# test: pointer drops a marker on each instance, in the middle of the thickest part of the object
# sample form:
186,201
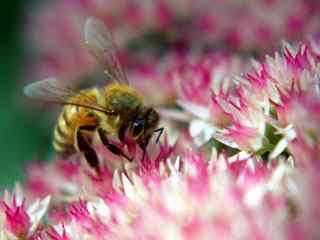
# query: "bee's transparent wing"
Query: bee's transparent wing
54,91
100,41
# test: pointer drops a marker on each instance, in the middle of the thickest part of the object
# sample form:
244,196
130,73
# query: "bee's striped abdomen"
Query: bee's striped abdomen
63,138
68,122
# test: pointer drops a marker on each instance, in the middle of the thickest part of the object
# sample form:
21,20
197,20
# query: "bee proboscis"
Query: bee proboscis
116,109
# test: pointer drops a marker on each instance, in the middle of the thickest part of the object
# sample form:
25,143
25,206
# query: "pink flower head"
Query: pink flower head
43,180
243,136
17,221
197,175
55,235
205,74
88,221
55,28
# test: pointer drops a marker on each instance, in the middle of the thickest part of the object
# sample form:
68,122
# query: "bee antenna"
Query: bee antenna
160,130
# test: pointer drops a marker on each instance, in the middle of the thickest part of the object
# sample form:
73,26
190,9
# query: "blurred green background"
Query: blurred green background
21,134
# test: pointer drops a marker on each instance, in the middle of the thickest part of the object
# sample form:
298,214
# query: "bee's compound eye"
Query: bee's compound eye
138,127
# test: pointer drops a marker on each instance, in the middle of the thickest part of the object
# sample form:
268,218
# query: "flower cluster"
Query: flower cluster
258,185
240,155
189,198
55,29
183,75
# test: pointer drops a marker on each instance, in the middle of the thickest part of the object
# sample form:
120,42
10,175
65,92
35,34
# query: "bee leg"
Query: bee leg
122,132
160,130
111,147
143,145
85,148
144,152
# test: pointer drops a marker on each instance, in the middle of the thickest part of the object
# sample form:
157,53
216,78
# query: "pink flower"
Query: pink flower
241,114
17,221
55,235
55,28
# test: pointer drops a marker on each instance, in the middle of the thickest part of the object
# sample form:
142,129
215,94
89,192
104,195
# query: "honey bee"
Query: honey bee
114,110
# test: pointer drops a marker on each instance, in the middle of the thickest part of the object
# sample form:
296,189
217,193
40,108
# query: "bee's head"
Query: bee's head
144,124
